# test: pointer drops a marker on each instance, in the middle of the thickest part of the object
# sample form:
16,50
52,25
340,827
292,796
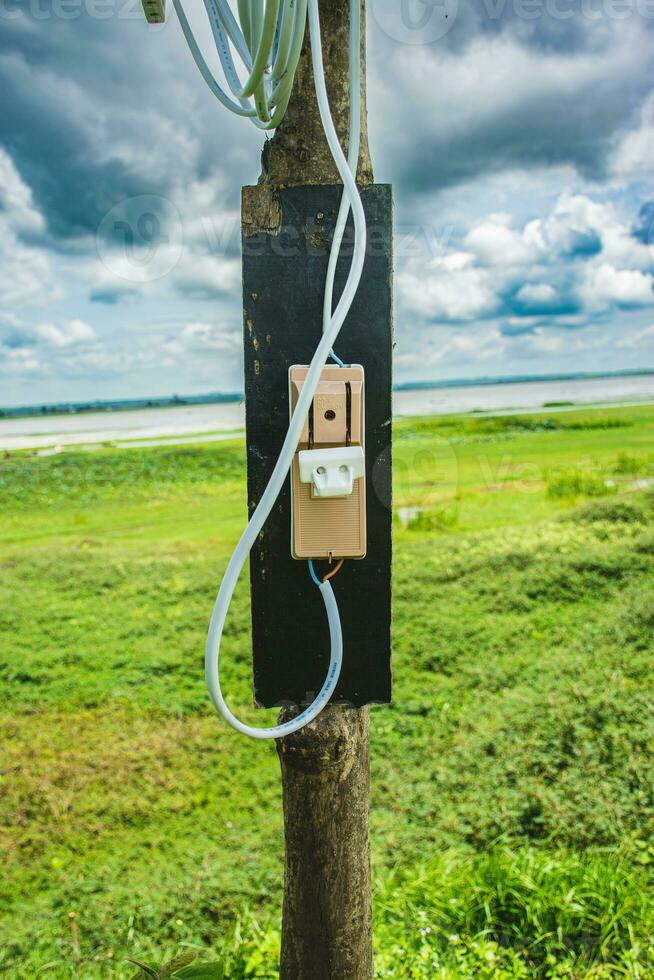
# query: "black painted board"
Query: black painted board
283,285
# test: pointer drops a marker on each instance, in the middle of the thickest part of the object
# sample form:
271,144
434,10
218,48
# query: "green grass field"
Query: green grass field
513,777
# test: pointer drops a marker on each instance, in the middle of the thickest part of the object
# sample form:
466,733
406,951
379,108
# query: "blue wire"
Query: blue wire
337,359
313,574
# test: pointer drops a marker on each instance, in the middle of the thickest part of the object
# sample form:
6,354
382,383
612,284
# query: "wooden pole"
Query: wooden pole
298,153
327,923
327,918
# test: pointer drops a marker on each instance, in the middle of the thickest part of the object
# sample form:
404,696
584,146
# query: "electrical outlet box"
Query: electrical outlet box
328,482
154,10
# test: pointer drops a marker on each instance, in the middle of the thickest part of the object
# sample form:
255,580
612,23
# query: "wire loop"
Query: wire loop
268,42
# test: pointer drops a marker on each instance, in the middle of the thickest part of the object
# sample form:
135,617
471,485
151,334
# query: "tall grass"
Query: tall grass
544,914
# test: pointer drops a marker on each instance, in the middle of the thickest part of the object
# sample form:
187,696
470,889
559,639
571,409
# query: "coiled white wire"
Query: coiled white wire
268,43
270,81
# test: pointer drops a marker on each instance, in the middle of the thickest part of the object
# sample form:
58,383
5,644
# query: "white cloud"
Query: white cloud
577,219
45,350
604,286
581,259
576,223
207,275
210,221
635,152
16,202
19,360
494,242
449,288
537,294
69,350
199,338
196,254
26,274
73,333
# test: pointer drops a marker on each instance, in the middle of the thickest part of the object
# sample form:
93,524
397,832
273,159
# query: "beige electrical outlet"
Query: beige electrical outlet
330,527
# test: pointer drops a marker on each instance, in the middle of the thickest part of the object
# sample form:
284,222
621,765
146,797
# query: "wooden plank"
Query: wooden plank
284,272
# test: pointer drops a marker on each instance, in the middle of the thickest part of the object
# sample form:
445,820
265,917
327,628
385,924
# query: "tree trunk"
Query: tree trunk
327,921
298,153
327,928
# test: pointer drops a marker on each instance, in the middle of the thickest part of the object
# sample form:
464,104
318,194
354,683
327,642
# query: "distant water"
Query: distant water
523,394
179,422
210,422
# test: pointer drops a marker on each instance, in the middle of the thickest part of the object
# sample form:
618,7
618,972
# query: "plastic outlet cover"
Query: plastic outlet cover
329,520
332,472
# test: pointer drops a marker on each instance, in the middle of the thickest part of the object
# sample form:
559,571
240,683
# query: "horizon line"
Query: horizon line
170,401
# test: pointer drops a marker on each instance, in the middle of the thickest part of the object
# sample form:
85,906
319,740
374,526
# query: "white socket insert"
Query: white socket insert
332,471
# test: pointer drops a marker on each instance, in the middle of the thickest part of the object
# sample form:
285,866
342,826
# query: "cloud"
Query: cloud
91,123
18,361
207,276
644,230
26,275
71,334
449,289
170,268
112,291
67,350
508,100
576,262
604,286
634,153
16,201
576,227
480,132
202,338
538,296
150,244
17,334
494,243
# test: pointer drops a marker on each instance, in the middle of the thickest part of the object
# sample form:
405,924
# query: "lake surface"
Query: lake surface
523,394
178,423
204,423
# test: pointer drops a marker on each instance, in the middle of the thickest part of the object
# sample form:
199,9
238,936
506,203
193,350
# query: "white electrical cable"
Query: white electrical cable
354,147
326,691
281,43
269,45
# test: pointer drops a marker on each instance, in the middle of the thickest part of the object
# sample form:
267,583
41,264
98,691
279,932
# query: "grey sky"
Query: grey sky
519,137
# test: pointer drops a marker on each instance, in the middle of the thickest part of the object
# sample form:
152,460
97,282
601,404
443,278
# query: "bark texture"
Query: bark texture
327,927
298,152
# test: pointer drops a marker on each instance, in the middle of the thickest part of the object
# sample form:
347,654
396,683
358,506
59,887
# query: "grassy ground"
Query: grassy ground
513,778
